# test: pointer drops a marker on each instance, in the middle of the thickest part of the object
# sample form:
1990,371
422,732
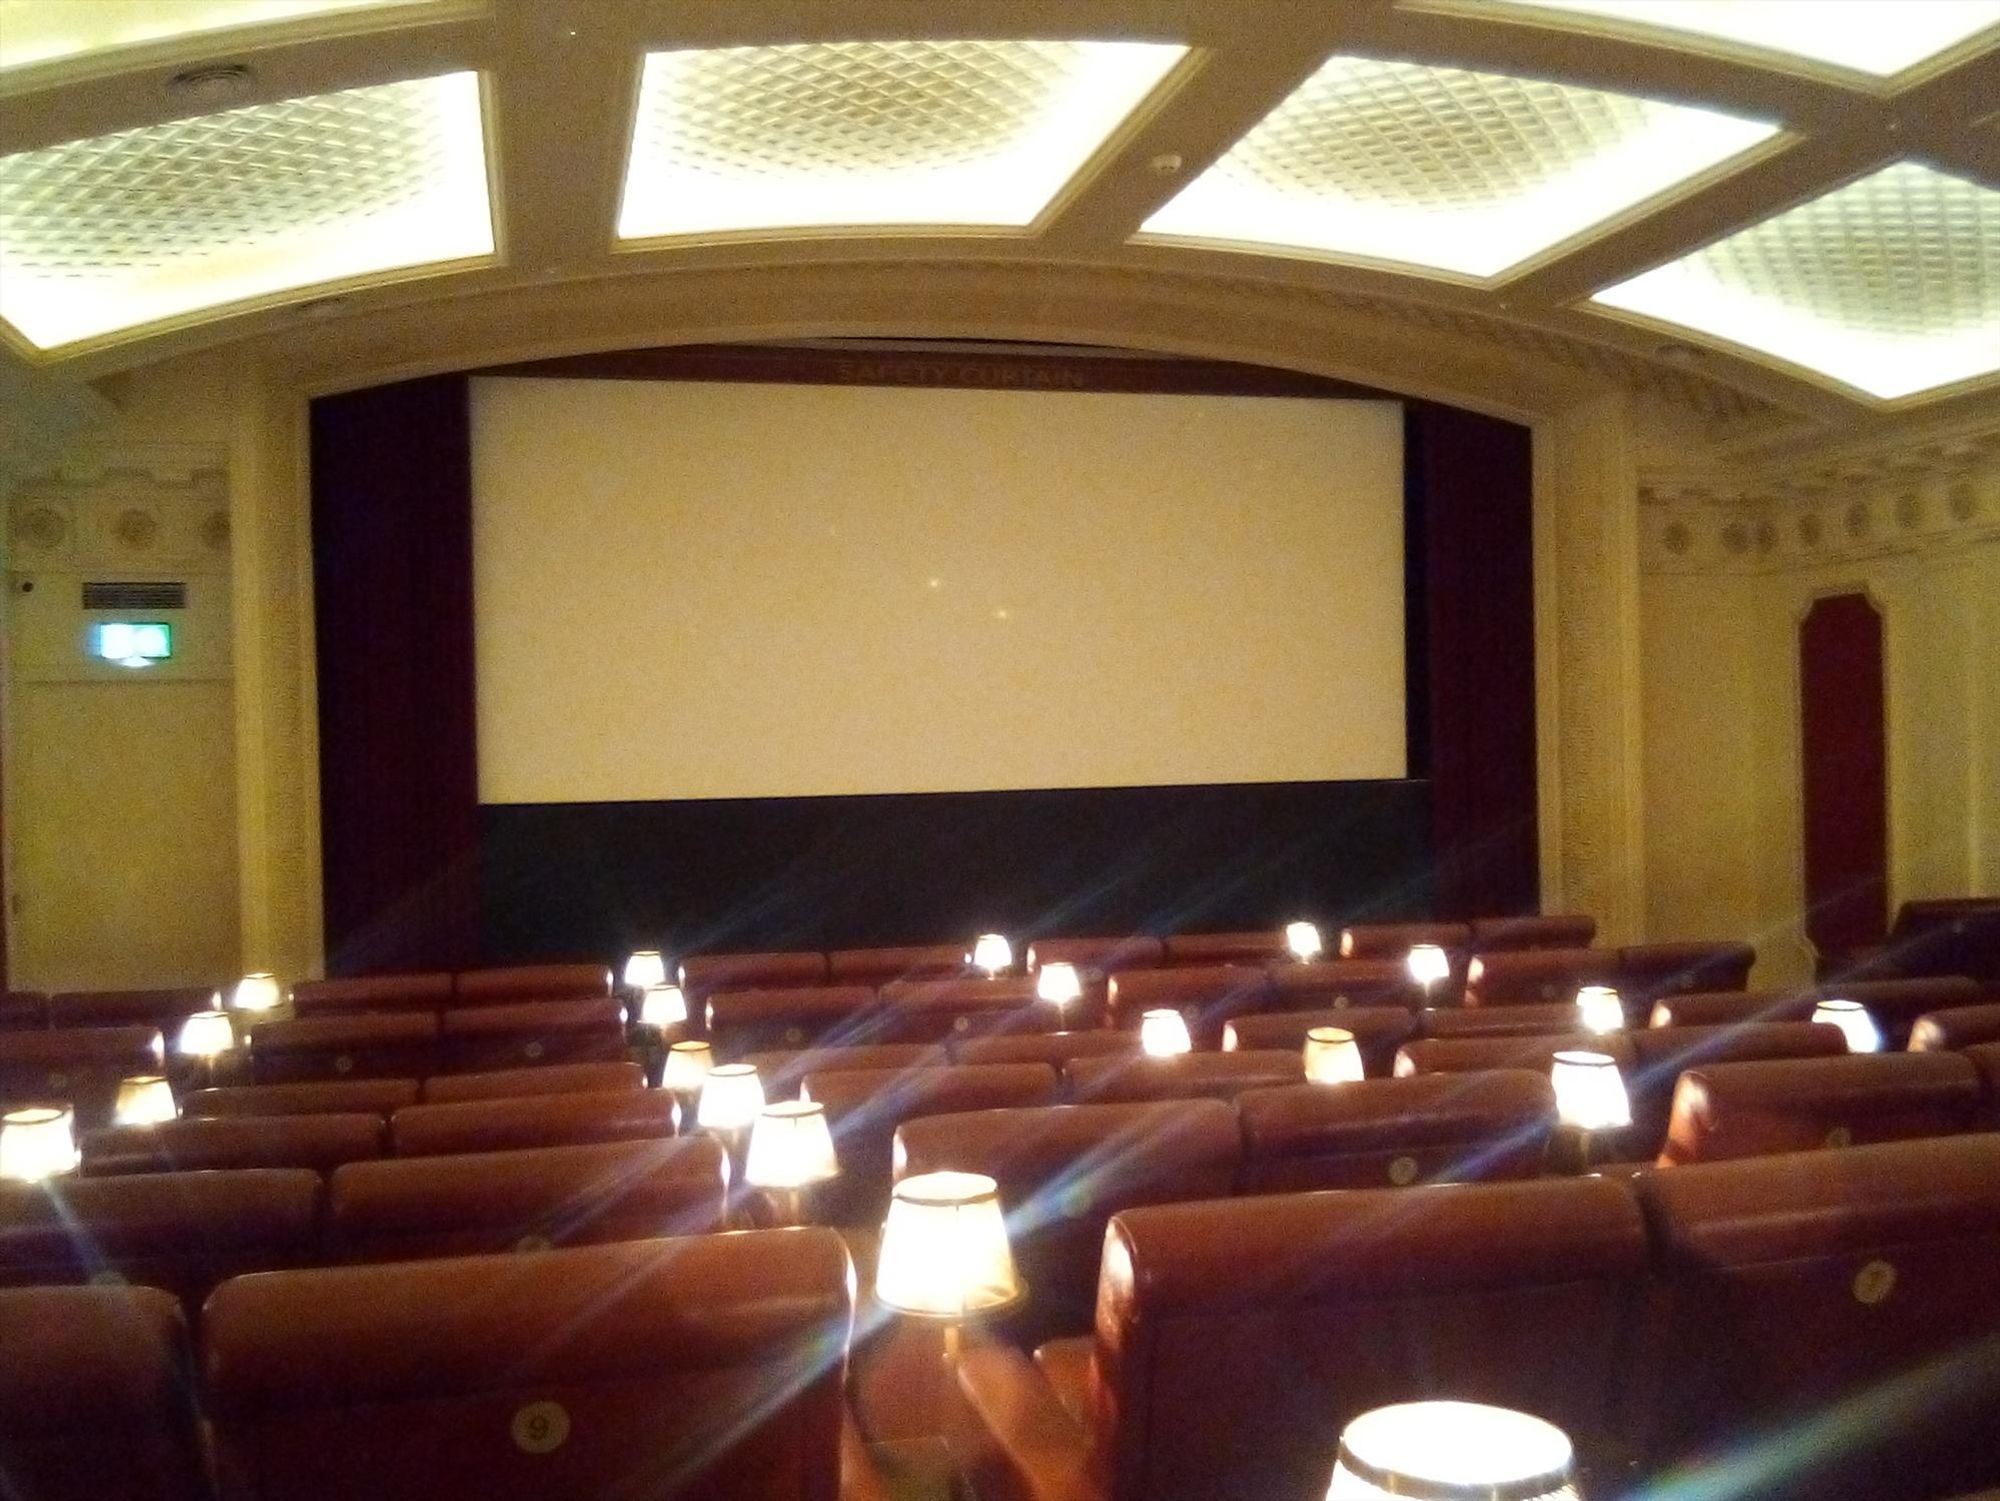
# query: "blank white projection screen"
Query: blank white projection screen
693,590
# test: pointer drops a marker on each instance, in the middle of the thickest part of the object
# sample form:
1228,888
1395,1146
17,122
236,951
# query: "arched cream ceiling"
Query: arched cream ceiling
1505,204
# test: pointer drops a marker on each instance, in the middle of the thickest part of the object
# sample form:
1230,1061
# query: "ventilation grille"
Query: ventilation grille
143,595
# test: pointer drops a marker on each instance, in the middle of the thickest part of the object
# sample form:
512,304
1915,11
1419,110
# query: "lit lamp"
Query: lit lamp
1332,1056
1855,1024
644,970
1592,1110
204,1038
1599,1009
944,1251
1428,964
682,1074
144,1100
661,1007
1453,1449
38,1142
1302,938
732,1097
993,954
1164,1033
791,1149
1058,984
257,992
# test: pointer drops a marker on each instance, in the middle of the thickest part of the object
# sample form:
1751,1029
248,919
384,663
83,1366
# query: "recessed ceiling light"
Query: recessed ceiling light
1890,285
37,31
873,133
1469,173
154,224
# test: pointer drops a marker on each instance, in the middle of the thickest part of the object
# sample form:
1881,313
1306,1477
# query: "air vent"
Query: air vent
149,594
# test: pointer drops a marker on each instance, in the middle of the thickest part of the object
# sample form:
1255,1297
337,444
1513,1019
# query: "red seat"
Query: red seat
940,1010
1563,931
1338,983
1053,1048
96,1397
389,1045
1985,1057
1532,977
318,1142
1185,1076
334,1097
756,1021
1499,1021
708,1369
1209,997
527,1033
1728,1110
1258,948
1954,1028
1394,940
1896,1005
872,967
489,1202
23,1010
782,1072
1661,1055
1648,971
1063,1171
164,1009
1827,1327
1378,1032
550,1078
553,1120
1379,1132
1464,1055
701,975
1101,954
183,1232
82,1065
413,992
530,982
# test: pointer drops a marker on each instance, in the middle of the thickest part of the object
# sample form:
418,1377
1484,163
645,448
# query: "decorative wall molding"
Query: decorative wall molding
136,508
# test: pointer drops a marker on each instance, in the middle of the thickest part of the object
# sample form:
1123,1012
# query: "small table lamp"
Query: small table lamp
644,969
1164,1033
1855,1024
1303,939
1452,1450
993,954
144,1100
1058,984
945,1253
732,1097
683,1072
257,993
791,1149
1332,1056
204,1038
1428,964
1599,1009
38,1142
1592,1110
661,1008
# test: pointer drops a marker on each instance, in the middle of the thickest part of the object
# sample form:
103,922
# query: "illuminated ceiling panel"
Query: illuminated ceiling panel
873,133
1890,284
1461,172
35,31
130,229
1880,38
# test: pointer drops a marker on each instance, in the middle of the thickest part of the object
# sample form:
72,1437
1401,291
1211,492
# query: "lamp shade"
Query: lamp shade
732,1096
992,953
1164,1033
944,1247
1303,939
205,1035
790,1146
1855,1024
1452,1450
38,1142
645,969
687,1066
257,992
1332,1056
1058,984
145,1100
1598,1009
1590,1092
663,1005
1428,964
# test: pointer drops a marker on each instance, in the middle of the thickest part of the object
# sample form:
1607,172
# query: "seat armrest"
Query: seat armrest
1021,1444
860,1479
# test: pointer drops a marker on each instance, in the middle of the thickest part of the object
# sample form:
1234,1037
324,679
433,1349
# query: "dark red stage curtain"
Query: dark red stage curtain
1469,490
392,572
1844,771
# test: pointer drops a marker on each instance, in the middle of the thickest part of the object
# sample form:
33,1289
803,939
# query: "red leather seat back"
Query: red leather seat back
865,1106
1729,1110
701,975
552,1120
1499,1021
491,1202
23,1010
758,1021
1727,1008
1339,983
1257,948
1574,930
1394,940
528,1033
82,1066
1648,971
1536,977
1209,997
1101,954
319,1142
1063,1171
517,1083
1377,1133
165,1009
412,992
530,982
1465,1055
1828,1325
1186,1076
389,1045
781,1073
336,1097
1661,1055
1378,1032
1948,936
183,1232
940,1010
1985,1057
96,1388
1954,1028
1897,1004
1235,1339
707,1368
872,967
1053,1048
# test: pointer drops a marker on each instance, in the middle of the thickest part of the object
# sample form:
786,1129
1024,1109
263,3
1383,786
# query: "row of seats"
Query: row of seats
709,1369
1822,1326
